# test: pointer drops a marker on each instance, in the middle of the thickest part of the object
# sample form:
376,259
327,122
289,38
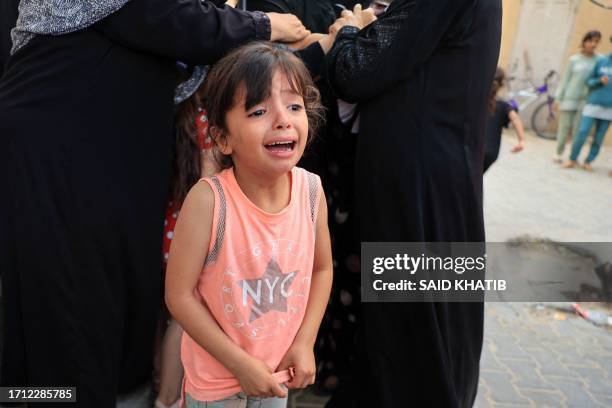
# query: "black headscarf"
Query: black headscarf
56,17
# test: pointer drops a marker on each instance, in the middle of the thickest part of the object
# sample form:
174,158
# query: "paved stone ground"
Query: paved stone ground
535,357
544,358
525,193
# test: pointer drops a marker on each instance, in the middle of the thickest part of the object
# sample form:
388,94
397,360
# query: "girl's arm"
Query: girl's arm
300,355
365,63
517,123
187,254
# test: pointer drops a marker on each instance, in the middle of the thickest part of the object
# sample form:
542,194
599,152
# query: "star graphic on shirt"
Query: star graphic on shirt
269,292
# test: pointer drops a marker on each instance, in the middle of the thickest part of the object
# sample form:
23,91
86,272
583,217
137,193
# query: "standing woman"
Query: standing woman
573,91
86,107
422,74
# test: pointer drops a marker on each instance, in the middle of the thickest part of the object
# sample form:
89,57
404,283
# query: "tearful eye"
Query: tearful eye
257,113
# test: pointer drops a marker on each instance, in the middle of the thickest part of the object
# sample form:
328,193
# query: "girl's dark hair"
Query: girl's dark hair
186,155
498,83
250,69
590,36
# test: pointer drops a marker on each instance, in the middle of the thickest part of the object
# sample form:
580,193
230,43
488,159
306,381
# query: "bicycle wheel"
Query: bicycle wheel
544,121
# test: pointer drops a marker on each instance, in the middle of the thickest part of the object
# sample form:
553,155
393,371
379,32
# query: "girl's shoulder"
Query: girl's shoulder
202,192
312,179
199,202
312,191
503,103
302,171
581,57
601,61
214,185
217,176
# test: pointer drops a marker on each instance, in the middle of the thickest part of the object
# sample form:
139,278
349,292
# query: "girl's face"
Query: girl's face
268,139
589,46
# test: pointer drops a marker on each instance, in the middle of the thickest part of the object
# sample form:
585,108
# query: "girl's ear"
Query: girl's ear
217,135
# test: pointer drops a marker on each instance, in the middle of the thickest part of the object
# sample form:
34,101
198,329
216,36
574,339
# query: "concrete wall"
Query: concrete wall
590,17
540,35
543,32
510,23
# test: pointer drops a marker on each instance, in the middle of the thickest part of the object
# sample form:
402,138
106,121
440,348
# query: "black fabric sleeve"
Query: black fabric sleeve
192,31
314,59
275,6
8,17
365,63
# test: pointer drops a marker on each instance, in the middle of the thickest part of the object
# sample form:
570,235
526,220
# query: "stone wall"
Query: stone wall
540,35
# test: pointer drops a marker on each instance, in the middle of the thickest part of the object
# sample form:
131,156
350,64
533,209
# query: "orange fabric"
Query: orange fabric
257,287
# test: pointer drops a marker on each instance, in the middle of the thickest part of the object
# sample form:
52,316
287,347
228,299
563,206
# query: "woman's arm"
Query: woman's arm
187,255
364,63
193,31
300,355
313,55
305,42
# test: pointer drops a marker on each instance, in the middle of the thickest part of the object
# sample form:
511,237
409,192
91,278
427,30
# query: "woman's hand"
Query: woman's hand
256,380
327,42
605,80
286,28
305,42
301,361
357,18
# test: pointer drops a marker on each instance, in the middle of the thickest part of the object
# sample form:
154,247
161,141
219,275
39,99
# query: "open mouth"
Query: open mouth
286,146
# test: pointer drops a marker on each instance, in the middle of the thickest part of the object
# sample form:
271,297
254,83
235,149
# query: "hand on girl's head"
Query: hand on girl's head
286,28
357,18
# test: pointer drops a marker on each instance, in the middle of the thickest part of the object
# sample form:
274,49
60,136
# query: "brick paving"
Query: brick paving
541,358
525,193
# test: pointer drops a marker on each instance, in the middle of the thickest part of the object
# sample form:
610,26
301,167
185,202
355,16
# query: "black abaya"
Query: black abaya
422,75
86,121
8,17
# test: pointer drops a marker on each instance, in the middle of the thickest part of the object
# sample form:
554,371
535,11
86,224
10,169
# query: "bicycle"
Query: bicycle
544,119
605,4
